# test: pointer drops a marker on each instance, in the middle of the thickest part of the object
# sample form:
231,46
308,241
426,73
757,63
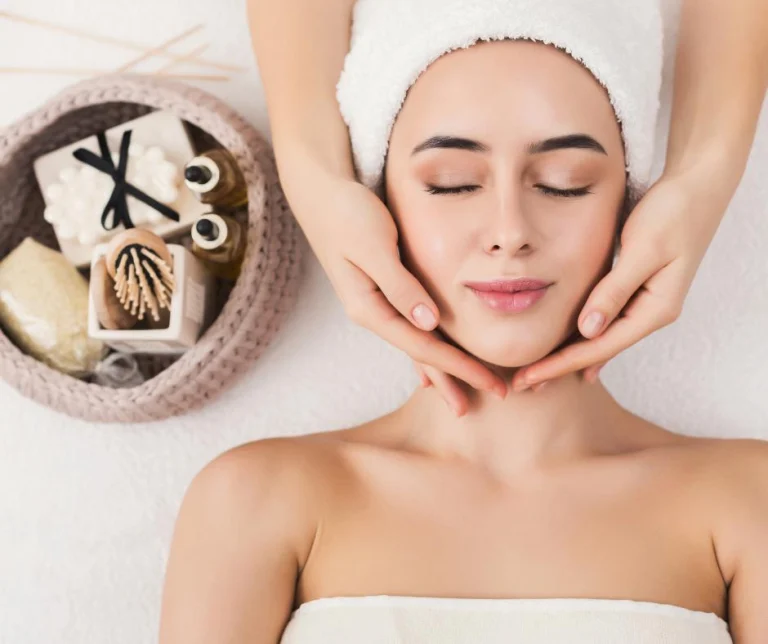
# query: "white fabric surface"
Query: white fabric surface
87,510
393,42
387,619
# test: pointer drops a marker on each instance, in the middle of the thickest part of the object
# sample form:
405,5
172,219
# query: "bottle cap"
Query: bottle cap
197,174
210,222
206,228
205,168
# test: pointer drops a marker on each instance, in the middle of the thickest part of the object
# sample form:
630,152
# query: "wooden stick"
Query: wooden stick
120,269
121,286
145,290
132,299
162,71
120,282
97,72
108,40
159,49
157,285
163,266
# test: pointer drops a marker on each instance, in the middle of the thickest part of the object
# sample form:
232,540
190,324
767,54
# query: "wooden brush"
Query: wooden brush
141,266
109,310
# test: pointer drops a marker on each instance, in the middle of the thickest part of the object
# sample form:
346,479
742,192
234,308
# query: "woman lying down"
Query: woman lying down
510,139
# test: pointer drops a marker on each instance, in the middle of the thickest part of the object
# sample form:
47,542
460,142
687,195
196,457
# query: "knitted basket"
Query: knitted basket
258,303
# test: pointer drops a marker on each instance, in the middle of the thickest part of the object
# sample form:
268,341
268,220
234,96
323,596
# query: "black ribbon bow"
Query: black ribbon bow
117,200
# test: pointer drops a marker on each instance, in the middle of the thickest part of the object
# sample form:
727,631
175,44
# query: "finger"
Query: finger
610,296
425,381
374,312
623,332
597,372
591,373
403,291
450,391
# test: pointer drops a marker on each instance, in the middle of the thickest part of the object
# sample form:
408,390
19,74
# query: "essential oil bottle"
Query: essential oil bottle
219,241
216,180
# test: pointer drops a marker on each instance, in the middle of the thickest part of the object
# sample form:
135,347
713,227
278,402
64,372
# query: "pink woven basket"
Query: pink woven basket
255,307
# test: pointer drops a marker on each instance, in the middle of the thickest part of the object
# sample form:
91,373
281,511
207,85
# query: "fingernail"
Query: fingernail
454,408
424,317
540,385
593,323
500,391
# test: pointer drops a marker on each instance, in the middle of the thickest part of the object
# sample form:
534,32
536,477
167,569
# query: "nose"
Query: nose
508,229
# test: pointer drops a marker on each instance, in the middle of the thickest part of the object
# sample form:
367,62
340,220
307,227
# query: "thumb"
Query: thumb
613,292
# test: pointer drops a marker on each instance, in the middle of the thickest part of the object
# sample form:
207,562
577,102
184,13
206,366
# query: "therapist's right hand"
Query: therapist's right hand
354,237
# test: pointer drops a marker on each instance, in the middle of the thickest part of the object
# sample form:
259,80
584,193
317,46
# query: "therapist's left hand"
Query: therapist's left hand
662,244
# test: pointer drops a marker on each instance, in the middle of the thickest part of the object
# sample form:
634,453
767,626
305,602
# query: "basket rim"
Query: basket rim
255,284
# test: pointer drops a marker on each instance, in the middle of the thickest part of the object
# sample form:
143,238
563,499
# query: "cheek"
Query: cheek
428,240
429,247
584,251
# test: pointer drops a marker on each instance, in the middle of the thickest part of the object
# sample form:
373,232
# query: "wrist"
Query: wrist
716,148
313,141
716,167
308,178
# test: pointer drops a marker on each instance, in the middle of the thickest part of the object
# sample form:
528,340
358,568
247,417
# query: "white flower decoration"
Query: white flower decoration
76,203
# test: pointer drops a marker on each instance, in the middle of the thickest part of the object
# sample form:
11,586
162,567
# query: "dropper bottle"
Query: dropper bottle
216,180
219,241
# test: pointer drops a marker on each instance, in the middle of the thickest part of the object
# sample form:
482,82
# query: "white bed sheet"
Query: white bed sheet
88,510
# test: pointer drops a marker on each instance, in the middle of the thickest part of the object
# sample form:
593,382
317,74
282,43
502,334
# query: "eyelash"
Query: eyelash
547,190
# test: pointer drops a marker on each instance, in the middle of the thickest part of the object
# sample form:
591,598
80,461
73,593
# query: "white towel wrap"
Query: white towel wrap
394,41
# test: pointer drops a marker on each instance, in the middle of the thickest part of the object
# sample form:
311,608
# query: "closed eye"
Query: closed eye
569,192
547,190
450,190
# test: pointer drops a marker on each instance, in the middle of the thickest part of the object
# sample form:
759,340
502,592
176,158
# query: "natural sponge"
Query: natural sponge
44,308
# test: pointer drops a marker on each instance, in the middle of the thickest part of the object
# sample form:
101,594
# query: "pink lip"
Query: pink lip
510,295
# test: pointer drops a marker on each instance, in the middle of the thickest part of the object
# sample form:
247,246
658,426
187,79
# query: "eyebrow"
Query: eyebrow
580,141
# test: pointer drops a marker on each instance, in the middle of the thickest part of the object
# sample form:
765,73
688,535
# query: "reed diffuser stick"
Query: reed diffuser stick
163,71
60,71
109,40
159,49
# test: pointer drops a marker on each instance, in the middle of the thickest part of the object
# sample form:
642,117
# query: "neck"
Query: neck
567,420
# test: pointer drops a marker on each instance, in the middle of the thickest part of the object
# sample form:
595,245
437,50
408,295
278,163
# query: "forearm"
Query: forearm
721,72
300,46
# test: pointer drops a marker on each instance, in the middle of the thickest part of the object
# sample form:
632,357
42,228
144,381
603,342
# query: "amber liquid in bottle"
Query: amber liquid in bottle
216,180
219,241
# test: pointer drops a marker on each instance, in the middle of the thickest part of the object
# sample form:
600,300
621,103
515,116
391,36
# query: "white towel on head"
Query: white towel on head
394,41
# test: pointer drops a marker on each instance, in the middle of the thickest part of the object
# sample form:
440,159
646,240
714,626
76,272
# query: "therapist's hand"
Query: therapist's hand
354,237
662,245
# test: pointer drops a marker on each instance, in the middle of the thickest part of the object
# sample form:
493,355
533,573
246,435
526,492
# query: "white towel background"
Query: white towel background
87,510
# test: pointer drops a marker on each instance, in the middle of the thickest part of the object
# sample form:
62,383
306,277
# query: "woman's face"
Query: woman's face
473,158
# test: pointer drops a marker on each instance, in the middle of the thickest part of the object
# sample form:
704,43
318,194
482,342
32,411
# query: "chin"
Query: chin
502,351
509,359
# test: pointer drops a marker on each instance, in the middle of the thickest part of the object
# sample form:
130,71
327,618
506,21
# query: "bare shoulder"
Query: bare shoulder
738,453
285,482
724,464
244,530
739,469
726,461
296,467
730,479
284,466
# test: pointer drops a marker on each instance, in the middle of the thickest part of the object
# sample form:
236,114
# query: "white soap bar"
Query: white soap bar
75,193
